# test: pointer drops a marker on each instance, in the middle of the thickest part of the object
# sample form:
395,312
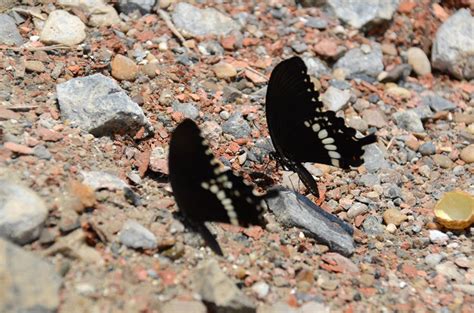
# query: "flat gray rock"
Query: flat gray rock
293,209
98,105
409,120
202,22
453,46
102,180
316,67
438,103
28,283
237,126
335,99
364,62
22,213
218,291
361,13
134,235
189,110
9,34
374,158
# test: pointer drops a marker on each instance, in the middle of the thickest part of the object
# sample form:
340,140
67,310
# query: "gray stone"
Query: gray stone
63,28
357,209
202,22
128,6
28,283
409,120
341,84
102,180
369,180
316,22
9,34
433,259
335,99
428,148
218,291
437,103
453,47
41,152
98,105
211,47
293,209
399,72
237,126
374,158
362,13
230,94
438,237
423,111
299,47
22,213
373,225
189,110
359,64
392,191
316,67
134,235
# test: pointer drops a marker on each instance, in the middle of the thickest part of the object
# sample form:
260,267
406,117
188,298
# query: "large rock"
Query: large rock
27,282
9,34
453,47
293,209
361,13
364,63
219,292
202,22
22,213
63,28
98,105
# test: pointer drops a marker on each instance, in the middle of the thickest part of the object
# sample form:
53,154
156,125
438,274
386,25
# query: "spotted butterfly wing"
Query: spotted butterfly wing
204,190
299,128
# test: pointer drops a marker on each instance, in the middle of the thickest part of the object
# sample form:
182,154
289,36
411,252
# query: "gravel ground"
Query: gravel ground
88,101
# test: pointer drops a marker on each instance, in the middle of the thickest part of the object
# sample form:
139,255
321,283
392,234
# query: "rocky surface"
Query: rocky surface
84,143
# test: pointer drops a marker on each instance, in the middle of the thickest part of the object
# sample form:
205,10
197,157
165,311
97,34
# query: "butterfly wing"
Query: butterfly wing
299,128
203,190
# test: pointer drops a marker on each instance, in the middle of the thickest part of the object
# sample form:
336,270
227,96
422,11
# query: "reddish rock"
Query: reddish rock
18,148
48,134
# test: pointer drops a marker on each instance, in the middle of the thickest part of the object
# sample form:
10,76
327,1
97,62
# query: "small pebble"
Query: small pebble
438,237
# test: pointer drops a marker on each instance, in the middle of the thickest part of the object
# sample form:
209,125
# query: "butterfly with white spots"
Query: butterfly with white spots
207,192
301,131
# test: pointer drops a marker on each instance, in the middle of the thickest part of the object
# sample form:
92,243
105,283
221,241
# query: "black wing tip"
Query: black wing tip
367,140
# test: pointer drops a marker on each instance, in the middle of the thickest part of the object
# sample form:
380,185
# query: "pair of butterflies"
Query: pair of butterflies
300,131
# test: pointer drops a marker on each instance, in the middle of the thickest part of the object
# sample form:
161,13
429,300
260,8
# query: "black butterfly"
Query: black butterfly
299,128
204,190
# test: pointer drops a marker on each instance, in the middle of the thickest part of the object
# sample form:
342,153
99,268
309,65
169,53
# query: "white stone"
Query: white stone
63,28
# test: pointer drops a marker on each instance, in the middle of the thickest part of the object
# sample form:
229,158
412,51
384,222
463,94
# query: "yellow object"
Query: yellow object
455,210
